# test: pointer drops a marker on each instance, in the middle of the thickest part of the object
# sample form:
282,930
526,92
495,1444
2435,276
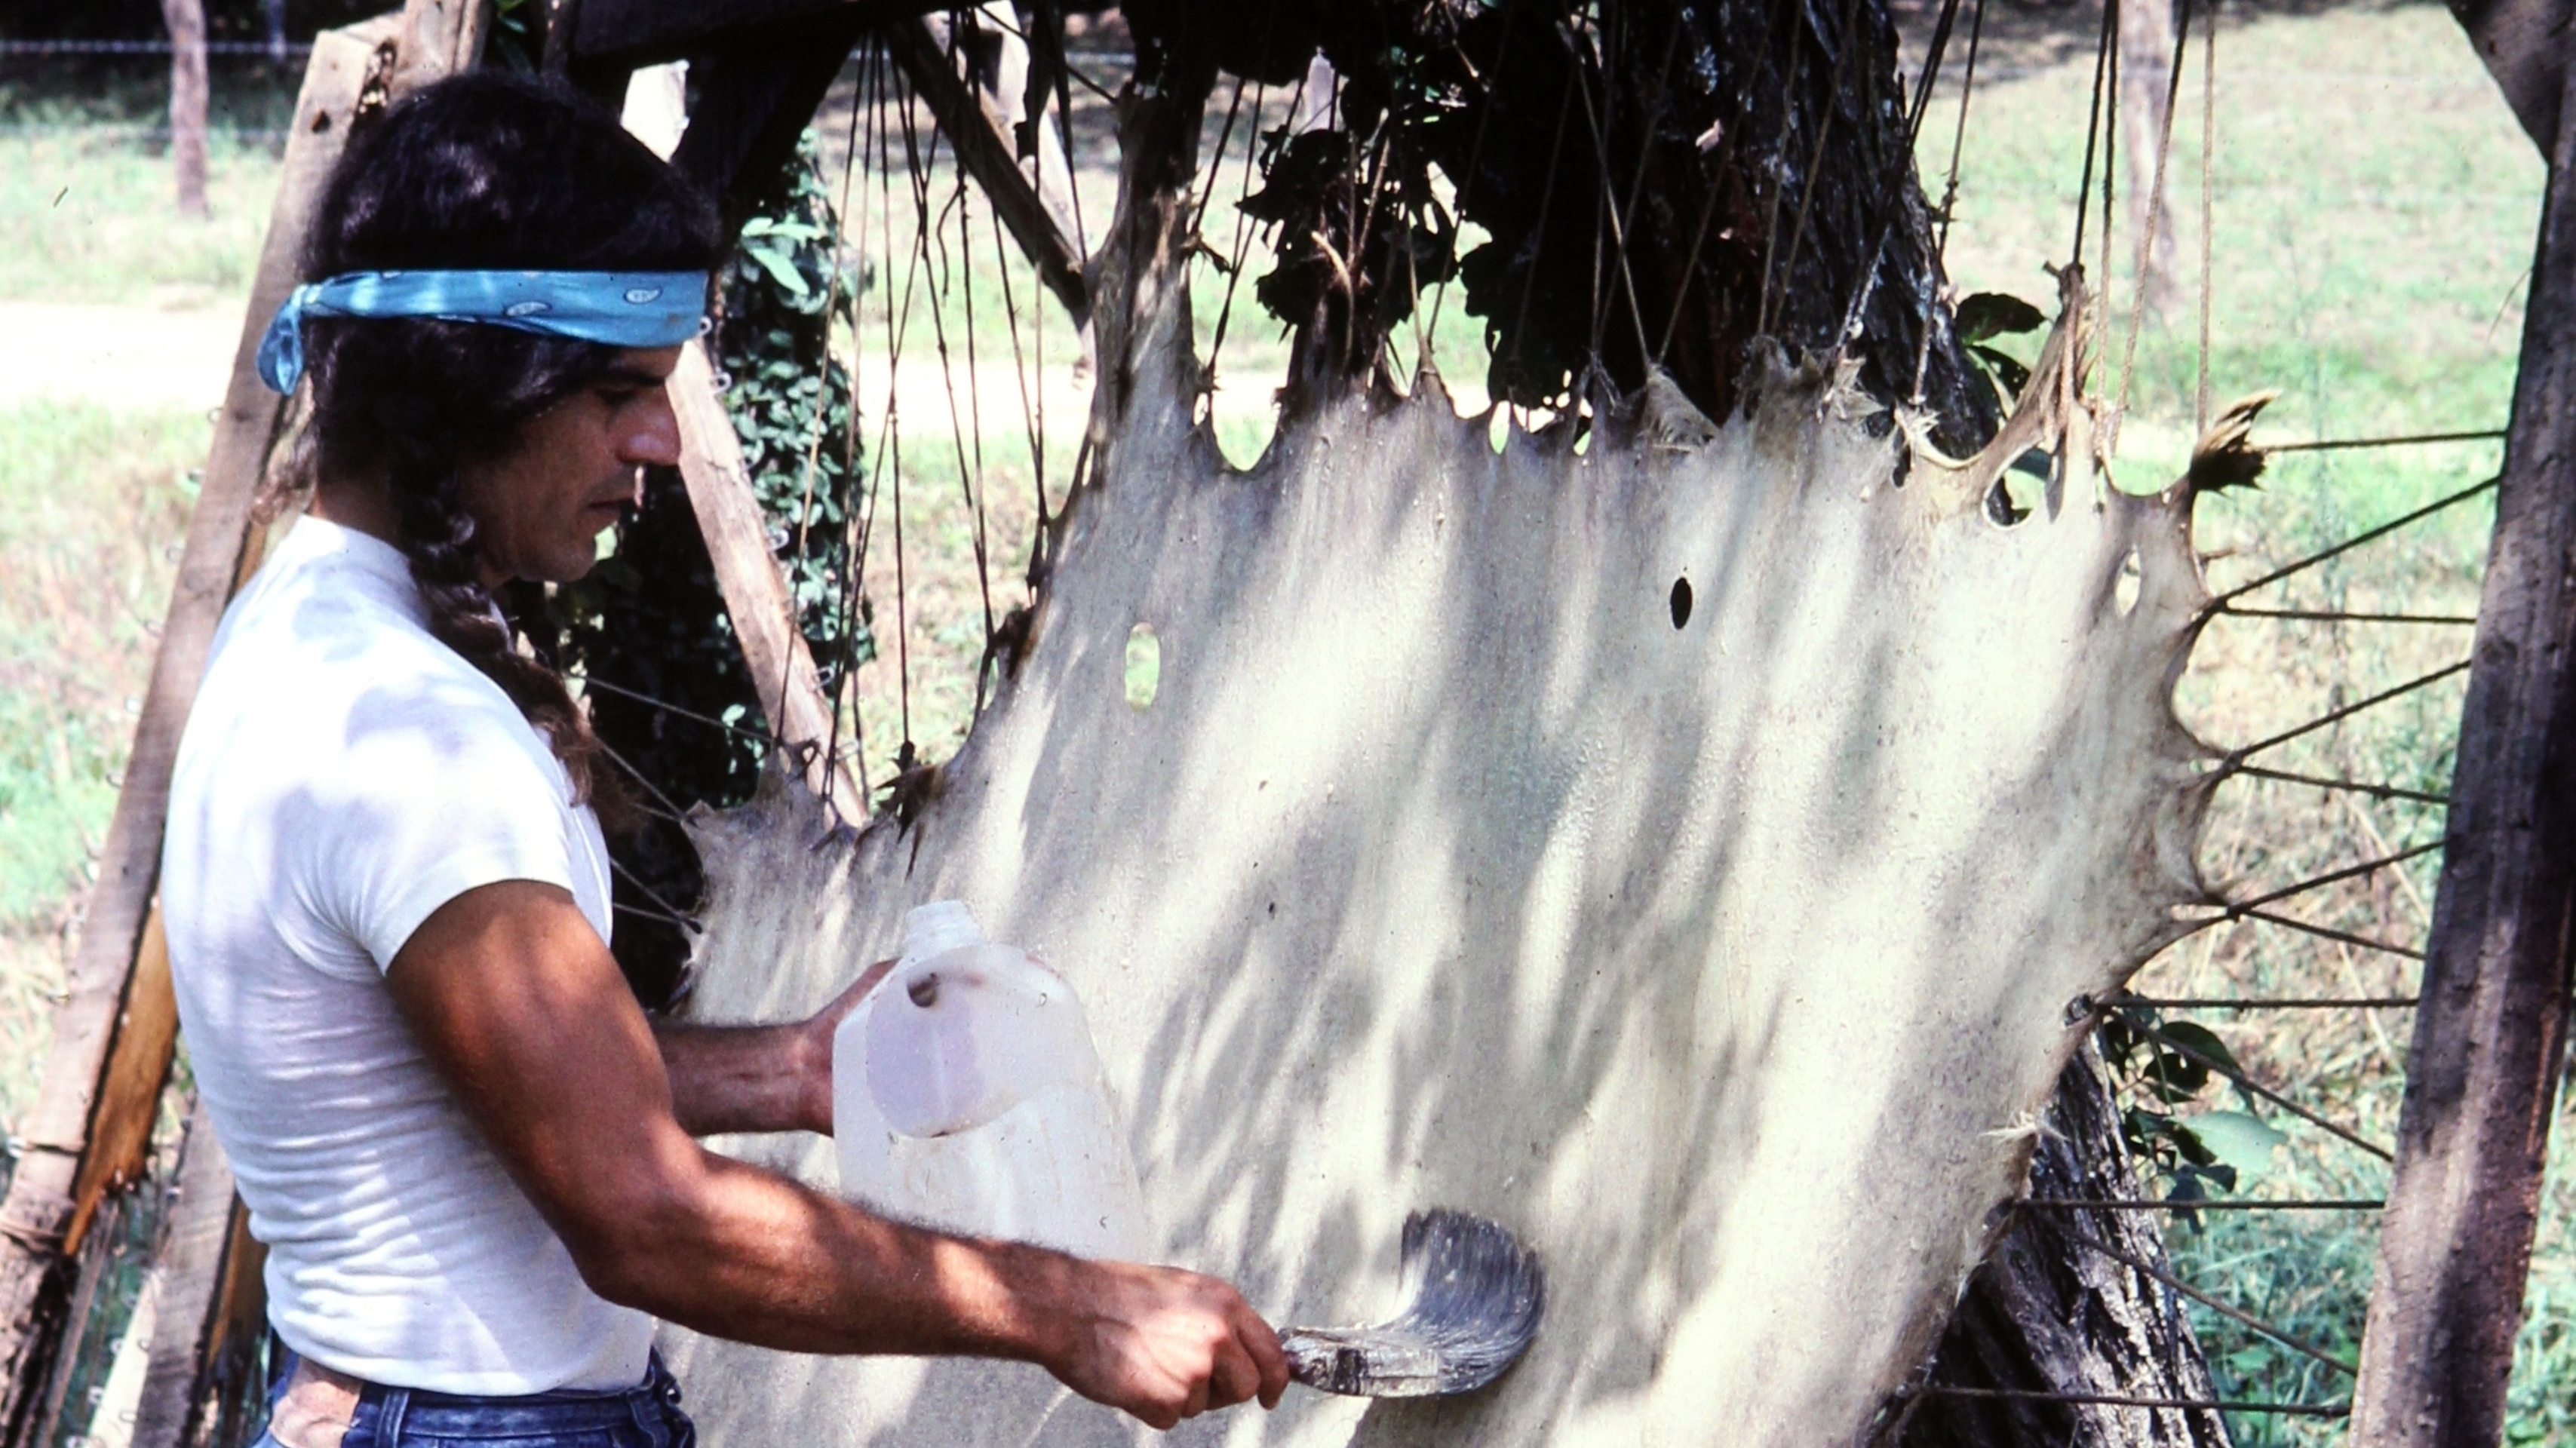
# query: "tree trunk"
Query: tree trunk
2491,1037
187,22
2051,1313
2147,42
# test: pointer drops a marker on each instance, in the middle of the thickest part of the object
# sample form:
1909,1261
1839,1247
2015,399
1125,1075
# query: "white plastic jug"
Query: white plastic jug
966,1095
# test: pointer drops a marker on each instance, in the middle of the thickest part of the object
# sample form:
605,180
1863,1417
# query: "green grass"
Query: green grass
92,507
87,198
2374,208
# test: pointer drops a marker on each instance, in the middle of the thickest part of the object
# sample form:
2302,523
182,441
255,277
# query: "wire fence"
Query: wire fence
269,50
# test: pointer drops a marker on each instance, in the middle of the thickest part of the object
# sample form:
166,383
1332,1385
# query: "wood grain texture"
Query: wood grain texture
755,594
2048,1312
753,100
635,33
2524,45
138,1066
2455,1247
202,1259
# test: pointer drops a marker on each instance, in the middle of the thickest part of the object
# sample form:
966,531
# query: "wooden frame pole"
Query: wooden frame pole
38,1212
755,593
2455,1246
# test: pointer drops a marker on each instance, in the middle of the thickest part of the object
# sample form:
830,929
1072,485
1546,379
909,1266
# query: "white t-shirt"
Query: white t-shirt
342,776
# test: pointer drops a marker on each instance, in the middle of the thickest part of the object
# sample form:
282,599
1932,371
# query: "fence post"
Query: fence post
187,22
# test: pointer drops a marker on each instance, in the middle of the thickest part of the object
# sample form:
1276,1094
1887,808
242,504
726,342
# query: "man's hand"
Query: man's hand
818,1030
518,1004
1164,1344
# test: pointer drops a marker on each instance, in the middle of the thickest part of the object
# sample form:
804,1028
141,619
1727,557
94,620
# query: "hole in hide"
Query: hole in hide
2001,508
924,991
2124,592
1681,601
1144,667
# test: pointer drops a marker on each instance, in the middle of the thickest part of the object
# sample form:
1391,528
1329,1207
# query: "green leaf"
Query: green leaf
2174,1077
2198,1038
2007,370
780,266
2238,1138
2217,1172
1987,315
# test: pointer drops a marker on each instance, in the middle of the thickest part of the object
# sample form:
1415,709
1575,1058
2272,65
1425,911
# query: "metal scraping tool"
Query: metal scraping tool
1471,1298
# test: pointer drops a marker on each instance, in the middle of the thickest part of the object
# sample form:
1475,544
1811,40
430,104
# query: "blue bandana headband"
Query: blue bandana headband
617,309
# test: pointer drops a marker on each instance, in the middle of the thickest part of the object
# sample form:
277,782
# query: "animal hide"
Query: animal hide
1725,951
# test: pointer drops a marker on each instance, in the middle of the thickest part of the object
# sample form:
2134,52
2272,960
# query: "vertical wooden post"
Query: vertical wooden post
186,20
2455,1247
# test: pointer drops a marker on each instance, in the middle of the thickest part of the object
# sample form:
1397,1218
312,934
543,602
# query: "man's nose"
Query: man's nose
651,437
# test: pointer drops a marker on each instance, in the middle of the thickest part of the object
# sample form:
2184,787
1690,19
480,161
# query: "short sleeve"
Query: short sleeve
442,788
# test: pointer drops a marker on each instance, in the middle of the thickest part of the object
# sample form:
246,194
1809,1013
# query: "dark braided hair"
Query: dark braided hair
486,172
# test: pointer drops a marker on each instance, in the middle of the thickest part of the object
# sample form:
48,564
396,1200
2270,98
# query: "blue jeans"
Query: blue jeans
645,1416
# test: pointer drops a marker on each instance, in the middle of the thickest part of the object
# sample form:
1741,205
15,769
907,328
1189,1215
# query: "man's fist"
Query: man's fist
1164,1344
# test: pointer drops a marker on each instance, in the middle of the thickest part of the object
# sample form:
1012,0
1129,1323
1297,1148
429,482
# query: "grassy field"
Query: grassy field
92,505
85,188
2374,208
2374,211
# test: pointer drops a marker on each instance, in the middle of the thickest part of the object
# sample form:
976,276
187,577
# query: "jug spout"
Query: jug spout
937,928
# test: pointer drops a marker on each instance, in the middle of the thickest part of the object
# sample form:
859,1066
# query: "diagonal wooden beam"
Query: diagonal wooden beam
755,593
638,33
210,1303
982,138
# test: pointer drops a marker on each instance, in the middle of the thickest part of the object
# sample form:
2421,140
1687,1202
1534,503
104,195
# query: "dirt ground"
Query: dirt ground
116,356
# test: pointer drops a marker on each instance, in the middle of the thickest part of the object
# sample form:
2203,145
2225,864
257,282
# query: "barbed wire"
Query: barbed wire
262,48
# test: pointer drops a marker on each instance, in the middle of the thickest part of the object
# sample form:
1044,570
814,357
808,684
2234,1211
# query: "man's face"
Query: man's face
539,509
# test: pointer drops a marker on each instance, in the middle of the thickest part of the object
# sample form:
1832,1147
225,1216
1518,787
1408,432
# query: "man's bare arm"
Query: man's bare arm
746,1078
757,1078
518,1003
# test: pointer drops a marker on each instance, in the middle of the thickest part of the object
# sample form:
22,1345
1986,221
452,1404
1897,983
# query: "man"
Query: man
469,1153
